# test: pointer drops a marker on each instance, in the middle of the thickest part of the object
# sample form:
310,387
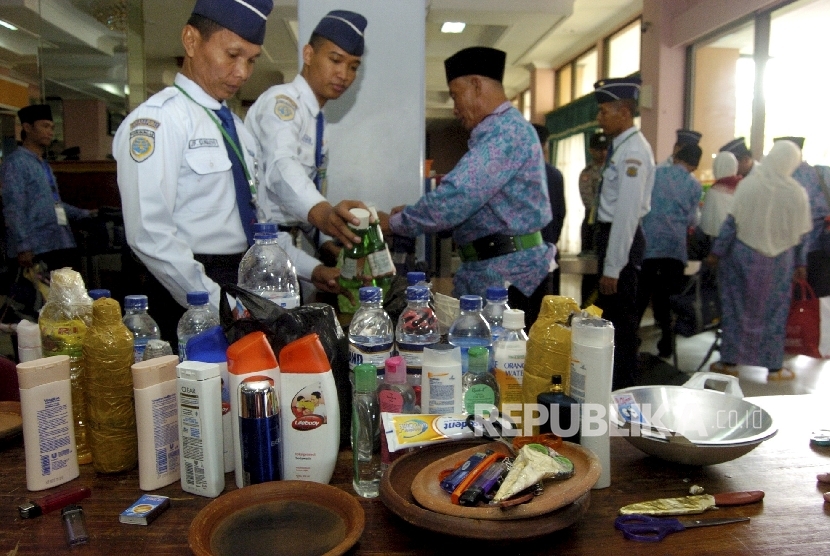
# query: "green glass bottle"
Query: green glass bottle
377,252
353,263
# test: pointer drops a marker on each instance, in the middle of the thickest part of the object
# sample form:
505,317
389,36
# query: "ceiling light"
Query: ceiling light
8,25
453,26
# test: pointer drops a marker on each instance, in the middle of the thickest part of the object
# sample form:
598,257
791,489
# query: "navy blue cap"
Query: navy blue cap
496,293
370,294
34,112
617,88
471,303
135,302
209,346
343,28
737,147
688,137
799,141
198,297
476,60
246,18
414,278
99,293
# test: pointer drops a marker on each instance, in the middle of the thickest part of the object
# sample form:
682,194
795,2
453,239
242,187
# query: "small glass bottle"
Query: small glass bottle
366,432
561,414
354,261
395,395
479,387
377,252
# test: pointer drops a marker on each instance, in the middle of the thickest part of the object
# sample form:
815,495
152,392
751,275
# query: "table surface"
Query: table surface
792,519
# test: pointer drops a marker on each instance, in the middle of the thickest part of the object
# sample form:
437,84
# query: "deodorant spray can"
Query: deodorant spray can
259,430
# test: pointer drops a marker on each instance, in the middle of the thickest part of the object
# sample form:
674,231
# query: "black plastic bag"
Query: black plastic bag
283,326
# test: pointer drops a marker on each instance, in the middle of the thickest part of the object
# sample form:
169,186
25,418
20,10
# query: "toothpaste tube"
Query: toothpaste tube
411,430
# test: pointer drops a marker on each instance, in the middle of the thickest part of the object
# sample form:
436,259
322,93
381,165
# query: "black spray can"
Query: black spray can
259,430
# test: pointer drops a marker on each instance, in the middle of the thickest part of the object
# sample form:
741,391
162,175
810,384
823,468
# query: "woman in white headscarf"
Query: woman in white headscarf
717,204
755,253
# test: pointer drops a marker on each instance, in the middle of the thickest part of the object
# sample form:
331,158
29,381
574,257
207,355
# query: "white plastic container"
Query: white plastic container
29,347
309,412
441,380
510,353
156,412
592,369
48,430
200,428
247,357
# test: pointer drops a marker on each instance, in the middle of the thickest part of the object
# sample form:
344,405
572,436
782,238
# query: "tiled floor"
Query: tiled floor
811,375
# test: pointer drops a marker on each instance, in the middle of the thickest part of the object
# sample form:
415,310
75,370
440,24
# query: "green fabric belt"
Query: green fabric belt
496,245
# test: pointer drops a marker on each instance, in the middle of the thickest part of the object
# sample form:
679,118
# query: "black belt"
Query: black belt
496,245
222,269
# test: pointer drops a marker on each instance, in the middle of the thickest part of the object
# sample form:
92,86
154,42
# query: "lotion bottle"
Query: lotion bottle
200,428
249,356
154,387
309,412
441,380
48,430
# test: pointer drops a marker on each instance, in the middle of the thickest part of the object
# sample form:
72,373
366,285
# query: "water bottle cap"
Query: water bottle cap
471,303
265,228
250,354
305,355
198,298
135,302
363,215
371,294
478,359
496,294
98,294
417,293
208,346
513,319
395,370
413,278
365,378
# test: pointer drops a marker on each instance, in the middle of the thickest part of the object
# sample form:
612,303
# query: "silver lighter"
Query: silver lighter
74,524
259,430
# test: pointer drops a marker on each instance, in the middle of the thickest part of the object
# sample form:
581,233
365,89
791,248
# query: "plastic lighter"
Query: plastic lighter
52,502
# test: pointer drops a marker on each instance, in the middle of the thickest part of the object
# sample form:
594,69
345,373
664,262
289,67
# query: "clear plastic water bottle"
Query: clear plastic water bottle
494,310
470,329
510,352
371,332
417,328
366,432
267,271
156,348
198,318
141,324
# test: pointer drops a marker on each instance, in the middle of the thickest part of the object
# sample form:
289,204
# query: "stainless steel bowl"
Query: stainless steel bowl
690,424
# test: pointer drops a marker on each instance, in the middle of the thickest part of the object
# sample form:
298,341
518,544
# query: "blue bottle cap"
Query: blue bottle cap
496,294
471,303
135,302
414,278
198,298
418,293
265,230
209,346
98,294
371,294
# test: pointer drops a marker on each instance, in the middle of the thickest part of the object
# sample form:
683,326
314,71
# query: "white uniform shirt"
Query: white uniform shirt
626,195
177,190
284,122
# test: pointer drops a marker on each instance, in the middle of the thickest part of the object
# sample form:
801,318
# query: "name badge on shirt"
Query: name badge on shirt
60,212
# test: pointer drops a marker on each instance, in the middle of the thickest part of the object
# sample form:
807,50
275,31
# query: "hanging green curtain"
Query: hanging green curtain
579,116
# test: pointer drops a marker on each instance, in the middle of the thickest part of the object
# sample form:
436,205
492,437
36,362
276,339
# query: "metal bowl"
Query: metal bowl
690,424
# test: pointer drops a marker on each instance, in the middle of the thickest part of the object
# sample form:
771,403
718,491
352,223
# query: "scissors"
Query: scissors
645,528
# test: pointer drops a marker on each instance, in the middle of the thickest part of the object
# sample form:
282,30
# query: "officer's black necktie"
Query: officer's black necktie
247,214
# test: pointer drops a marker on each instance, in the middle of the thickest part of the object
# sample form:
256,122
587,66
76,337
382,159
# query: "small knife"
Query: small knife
692,504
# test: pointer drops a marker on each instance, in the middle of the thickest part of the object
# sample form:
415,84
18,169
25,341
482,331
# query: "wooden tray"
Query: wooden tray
557,494
396,494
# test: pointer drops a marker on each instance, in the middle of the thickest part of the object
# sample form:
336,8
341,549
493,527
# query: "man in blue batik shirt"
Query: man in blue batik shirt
495,200
37,221
674,209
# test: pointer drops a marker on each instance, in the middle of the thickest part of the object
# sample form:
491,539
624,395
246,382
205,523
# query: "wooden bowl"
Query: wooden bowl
396,494
280,517
11,422
557,494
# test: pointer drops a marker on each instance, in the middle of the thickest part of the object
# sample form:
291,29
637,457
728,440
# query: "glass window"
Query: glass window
794,78
564,85
721,103
570,160
624,51
526,105
586,73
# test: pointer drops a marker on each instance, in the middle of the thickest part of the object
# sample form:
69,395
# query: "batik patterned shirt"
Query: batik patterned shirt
674,203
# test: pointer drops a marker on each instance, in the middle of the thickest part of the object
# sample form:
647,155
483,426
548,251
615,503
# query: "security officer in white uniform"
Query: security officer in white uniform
288,123
624,198
190,189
